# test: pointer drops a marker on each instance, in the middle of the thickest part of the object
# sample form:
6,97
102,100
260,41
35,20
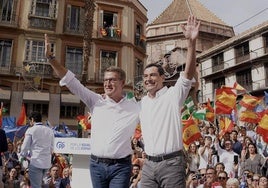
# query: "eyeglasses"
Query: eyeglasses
255,180
222,178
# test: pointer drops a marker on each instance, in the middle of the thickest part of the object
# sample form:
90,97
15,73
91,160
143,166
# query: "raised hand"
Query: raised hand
48,52
191,29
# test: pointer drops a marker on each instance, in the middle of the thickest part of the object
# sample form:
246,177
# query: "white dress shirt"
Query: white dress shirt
113,124
160,118
39,140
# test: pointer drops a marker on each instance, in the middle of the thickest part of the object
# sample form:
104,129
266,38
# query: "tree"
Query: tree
88,29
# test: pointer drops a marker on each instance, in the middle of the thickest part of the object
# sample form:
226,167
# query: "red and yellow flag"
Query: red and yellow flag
22,117
226,125
262,128
249,116
250,102
238,87
190,132
225,101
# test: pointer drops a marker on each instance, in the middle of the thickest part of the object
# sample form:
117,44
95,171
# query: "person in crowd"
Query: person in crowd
236,145
135,178
65,181
210,179
255,180
193,157
222,178
192,180
161,121
232,183
205,152
19,172
219,167
11,181
140,160
251,160
3,148
11,158
39,140
25,183
263,182
228,157
110,160
53,179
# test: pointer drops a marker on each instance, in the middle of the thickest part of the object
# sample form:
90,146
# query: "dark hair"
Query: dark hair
136,165
36,116
118,70
159,68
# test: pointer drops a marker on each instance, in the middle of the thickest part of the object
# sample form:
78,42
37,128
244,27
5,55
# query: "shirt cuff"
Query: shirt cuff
67,78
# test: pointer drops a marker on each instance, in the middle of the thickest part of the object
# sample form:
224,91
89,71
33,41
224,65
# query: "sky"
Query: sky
241,14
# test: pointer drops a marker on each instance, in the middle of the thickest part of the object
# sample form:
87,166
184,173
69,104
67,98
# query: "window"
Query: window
44,8
139,37
244,79
35,51
43,14
75,18
5,53
107,59
242,52
74,59
67,111
265,37
108,19
217,83
7,8
217,62
42,108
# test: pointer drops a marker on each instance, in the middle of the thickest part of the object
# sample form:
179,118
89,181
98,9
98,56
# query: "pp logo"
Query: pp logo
60,145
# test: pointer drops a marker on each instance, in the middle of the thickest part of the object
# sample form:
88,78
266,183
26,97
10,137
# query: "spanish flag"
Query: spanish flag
226,125
190,132
225,101
262,128
250,102
238,87
22,118
249,116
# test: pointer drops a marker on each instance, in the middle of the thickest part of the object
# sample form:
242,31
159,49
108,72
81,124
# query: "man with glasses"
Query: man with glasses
222,178
114,119
228,157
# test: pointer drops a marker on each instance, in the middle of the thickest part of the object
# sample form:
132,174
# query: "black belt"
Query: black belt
111,161
165,157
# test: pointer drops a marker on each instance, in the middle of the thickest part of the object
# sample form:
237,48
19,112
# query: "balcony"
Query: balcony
240,59
219,67
33,69
140,41
110,33
45,23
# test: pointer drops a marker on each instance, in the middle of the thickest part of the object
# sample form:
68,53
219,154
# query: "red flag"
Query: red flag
22,117
225,101
250,102
190,131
